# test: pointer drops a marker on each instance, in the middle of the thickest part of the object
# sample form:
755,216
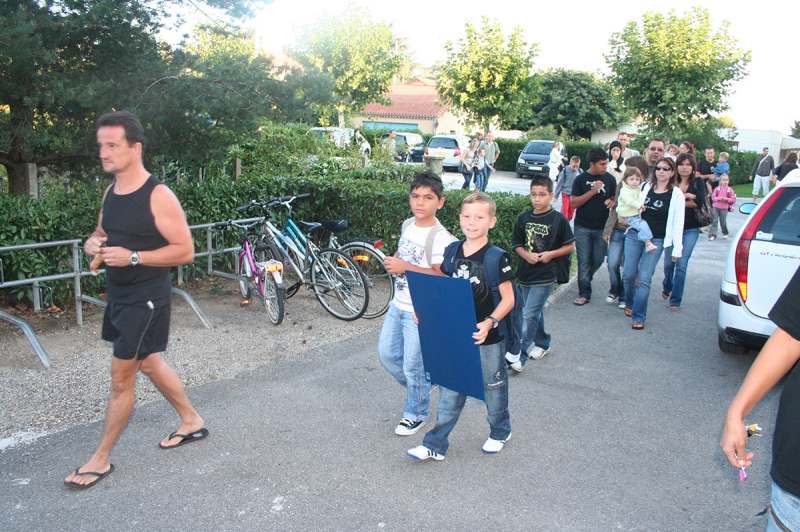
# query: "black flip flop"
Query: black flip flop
100,476
186,438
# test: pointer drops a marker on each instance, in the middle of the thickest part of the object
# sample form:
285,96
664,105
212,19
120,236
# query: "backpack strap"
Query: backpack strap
435,230
448,264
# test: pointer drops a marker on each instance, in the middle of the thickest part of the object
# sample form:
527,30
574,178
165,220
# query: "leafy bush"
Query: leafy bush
742,163
509,153
581,149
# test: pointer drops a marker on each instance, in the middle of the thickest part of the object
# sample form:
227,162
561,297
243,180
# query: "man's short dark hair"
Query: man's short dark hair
542,181
596,155
657,140
134,132
430,180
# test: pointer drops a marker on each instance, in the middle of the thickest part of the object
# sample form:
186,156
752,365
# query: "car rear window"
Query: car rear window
441,142
538,148
783,219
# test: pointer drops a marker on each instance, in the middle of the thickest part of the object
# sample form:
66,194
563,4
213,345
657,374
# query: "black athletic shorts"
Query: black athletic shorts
137,331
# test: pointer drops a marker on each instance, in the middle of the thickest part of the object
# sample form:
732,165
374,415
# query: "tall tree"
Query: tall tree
488,77
796,129
675,67
577,102
65,62
358,54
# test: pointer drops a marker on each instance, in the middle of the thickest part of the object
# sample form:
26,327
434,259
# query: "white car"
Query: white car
448,146
764,256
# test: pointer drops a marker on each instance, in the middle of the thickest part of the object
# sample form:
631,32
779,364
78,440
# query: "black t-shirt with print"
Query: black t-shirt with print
537,233
785,469
704,167
698,188
593,214
472,268
657,211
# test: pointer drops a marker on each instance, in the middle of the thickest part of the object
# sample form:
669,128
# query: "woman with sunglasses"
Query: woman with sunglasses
694,191
664,212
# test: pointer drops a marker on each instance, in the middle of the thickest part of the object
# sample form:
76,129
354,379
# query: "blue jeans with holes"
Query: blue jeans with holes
400,353
642,264
495,389
532,333
616,255
675,272
787,507
591,252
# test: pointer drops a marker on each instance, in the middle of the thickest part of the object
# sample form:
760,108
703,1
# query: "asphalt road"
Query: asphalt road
614,430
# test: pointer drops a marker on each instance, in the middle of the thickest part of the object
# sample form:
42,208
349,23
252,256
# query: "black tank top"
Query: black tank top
129,223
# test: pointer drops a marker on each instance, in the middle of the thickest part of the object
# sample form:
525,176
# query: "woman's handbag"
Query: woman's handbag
702,212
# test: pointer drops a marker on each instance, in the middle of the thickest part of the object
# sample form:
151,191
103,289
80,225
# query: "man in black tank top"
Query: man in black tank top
140,234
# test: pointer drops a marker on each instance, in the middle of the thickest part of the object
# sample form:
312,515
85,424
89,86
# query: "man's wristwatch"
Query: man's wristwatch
134,258
495,323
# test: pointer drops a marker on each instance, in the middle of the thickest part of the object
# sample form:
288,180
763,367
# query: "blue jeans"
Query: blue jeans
401,354
640,226
467,179
616,255
480,184
495,388
787,507
675,272
486,173
531,331
591,252
642,264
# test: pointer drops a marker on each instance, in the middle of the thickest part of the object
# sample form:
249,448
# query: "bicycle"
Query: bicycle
335,279
268,283
364,251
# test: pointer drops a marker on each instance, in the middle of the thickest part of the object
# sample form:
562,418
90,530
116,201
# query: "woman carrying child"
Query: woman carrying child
631,204
664,212
722,201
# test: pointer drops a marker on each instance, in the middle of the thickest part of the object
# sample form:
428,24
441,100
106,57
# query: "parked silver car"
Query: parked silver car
448,146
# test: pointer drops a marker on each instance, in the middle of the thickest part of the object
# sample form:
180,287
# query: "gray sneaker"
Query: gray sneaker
538,352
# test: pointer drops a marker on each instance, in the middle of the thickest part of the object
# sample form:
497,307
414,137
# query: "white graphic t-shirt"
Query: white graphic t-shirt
411,249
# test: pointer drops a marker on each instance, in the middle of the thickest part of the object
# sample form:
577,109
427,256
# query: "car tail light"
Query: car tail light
457,153
426,150
743,246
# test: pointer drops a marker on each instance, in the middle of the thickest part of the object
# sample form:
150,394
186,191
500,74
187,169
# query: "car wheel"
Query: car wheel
519,176
731,348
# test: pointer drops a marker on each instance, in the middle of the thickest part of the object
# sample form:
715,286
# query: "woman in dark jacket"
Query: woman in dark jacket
789,164
694,190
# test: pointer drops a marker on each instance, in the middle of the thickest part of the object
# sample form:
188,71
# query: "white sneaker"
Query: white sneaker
538,353
621,304
611,299
423,453
514,362
493,446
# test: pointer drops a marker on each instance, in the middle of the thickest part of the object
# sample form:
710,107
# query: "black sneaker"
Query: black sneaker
406,427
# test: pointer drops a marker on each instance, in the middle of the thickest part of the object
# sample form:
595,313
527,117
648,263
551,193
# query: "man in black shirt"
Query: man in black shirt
705,168
593,195
141,232
778,357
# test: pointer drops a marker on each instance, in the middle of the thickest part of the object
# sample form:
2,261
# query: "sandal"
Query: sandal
664,295
628,312
581,301
638,325
674,307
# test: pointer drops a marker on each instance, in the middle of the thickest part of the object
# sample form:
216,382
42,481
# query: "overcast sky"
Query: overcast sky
575,34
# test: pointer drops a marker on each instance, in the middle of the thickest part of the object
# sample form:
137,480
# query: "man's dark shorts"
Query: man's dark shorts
136,331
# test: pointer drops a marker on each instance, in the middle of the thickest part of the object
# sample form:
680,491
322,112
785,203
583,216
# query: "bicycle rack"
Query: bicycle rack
40,300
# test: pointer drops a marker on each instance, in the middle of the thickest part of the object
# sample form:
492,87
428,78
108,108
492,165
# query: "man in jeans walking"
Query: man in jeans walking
593,195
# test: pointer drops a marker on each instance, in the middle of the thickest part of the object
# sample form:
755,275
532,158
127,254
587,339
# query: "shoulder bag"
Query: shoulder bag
702,212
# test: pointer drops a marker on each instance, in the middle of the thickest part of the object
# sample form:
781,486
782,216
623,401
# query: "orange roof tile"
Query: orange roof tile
417,98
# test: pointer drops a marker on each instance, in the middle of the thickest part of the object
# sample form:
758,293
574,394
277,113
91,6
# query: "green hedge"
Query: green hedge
509,152
741,164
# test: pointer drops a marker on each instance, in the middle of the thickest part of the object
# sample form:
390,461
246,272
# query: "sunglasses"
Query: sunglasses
664,168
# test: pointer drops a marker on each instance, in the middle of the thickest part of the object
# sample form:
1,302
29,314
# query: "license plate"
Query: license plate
535,168
441,154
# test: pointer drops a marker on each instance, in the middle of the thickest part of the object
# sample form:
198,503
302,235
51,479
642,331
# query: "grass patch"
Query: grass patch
745,191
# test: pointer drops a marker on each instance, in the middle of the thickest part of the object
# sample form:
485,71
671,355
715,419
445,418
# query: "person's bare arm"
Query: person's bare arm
396,266
171,222
580,201
504,307
98,237
777,357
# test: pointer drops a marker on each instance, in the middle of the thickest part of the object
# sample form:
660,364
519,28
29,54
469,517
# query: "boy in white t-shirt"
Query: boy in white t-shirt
399,347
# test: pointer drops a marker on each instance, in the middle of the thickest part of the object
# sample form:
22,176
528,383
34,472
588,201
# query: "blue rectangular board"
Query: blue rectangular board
446,313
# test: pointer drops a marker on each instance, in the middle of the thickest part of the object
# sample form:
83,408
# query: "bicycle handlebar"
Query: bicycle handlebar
271,203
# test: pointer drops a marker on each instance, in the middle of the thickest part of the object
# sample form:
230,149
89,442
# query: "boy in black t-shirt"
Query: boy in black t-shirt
778,357
540,235
477,217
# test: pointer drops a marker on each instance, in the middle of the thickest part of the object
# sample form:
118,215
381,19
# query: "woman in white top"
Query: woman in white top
555,161
466,162
664,213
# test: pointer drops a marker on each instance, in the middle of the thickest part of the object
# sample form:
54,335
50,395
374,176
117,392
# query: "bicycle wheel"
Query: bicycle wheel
291,277
379,281
272,294
243,269
340,285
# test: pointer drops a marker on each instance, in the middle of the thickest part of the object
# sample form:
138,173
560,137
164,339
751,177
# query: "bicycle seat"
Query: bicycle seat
334,226
309,227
